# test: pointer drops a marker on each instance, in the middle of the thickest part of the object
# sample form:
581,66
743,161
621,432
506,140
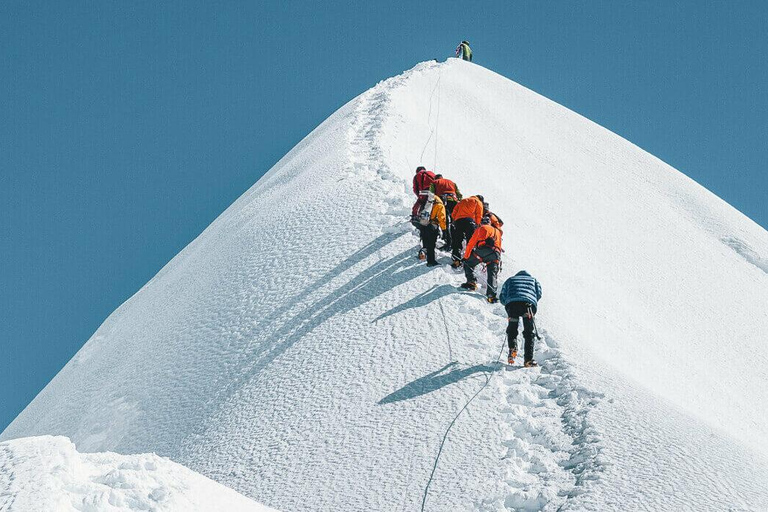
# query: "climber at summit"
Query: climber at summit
466,217
483,247
520,296
421,183
464,51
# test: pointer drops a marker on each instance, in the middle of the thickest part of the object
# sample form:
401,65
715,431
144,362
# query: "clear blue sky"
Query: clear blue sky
127,127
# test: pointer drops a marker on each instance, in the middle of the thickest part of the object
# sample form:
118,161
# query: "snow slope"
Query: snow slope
297,348
48,474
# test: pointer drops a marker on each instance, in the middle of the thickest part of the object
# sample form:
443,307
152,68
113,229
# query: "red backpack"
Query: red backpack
422,180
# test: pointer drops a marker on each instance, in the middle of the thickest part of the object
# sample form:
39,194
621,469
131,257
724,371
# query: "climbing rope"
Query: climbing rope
447,333
433,131
488,377
437,119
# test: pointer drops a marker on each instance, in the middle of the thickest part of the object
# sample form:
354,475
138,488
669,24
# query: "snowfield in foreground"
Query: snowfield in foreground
299,353
48,474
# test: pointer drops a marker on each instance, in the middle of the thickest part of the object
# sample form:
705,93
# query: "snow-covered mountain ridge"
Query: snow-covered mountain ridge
297,348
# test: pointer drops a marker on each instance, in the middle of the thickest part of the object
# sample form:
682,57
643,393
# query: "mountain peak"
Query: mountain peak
298,348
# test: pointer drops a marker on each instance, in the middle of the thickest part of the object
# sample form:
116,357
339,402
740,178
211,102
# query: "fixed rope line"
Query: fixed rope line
447,333
421,158
437,119
429,115
445,436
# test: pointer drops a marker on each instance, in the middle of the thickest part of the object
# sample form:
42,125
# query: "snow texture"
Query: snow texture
48,474
298,352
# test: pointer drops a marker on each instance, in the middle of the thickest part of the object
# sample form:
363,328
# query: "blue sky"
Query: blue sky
127,127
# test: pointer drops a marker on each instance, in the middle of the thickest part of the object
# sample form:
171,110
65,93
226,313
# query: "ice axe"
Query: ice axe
533,322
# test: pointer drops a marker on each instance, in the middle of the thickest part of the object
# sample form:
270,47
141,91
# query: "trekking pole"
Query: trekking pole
533,322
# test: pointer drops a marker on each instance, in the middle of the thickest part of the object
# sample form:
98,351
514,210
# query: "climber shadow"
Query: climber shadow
437,380
277,332
361,254
368,249
370,283
433,294
281,334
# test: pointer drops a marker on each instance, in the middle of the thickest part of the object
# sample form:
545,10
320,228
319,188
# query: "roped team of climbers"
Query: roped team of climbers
470,221
473,234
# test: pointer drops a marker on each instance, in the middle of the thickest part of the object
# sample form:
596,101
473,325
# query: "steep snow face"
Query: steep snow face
47,473
644,268
298,349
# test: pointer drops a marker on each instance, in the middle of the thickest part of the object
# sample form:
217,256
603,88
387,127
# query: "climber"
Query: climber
448,191
520,296
483,247
464,51
495,219
431,231
421,182
465,217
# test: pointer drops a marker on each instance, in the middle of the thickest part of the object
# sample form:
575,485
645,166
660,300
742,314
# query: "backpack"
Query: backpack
426,211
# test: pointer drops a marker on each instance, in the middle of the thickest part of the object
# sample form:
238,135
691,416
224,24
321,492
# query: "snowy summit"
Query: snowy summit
299,353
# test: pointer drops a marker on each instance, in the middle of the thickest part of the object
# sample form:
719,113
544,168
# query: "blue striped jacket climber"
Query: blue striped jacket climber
522,287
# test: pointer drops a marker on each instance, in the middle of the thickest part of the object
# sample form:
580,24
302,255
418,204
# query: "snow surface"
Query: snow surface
48,474
297,348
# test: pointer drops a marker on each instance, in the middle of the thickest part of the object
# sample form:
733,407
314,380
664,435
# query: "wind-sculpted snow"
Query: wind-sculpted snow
747,253
298,352
49,474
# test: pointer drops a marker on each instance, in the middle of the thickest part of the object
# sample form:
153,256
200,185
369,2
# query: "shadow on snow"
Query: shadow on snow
433,294
437,380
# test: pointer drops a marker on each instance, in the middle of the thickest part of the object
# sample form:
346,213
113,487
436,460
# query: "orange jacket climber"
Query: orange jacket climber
478,239
471,207
495,221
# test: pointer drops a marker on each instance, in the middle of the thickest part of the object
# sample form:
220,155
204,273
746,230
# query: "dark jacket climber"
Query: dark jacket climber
520,296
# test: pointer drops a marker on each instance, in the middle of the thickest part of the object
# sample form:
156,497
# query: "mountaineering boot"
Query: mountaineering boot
456,263
512,356
422,254
469,285
530,364
432,263
492,299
